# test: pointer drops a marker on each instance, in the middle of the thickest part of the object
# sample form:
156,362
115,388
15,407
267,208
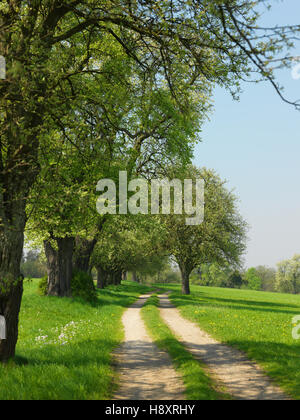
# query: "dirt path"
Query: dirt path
146,373
242,378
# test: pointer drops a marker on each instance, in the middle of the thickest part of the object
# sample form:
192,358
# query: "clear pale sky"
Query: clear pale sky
255,145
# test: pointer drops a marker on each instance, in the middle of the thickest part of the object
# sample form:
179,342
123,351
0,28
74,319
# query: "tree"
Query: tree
288,275
33,266
252,279
219,239
48,43
132,244
268,277
235,280
100,144
216,275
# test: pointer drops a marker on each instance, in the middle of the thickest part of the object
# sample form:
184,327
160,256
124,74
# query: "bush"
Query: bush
83,286
252,279
43,286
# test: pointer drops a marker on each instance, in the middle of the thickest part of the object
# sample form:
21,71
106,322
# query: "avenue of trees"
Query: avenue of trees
93,88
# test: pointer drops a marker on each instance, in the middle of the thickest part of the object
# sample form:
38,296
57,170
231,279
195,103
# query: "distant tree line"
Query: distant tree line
33,265
255,278
286,279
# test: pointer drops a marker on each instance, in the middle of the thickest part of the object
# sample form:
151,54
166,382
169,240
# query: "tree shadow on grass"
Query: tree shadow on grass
240,304
280,361
77,354
114,295
81,370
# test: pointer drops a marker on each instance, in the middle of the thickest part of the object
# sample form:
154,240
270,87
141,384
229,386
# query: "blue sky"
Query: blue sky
255,145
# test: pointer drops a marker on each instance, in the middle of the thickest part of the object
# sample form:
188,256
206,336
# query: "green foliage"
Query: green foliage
172,276
43,286
216,275
83,287
219,239
268,278
288,276
32,265
252,279
235,280
131,243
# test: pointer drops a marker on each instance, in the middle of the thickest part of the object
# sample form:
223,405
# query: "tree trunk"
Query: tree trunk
102,276
18,171
82,253
185,277
59,266
135,277
11,284
124,275
117,277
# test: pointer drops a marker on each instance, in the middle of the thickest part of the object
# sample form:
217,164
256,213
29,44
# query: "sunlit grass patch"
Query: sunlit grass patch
258,323
65,345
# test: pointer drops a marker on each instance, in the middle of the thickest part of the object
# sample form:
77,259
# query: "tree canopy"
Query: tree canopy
221,236
288,275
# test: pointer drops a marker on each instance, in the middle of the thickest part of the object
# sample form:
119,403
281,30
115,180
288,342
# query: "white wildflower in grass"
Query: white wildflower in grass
63,335
41,338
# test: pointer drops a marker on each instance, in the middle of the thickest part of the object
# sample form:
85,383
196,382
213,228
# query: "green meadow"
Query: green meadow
65,346
258,323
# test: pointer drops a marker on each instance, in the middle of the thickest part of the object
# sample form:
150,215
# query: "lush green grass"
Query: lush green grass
67,346
257,323
198,384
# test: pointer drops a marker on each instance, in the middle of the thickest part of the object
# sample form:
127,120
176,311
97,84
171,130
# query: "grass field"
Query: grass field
258,323
65,346
198,383
64,349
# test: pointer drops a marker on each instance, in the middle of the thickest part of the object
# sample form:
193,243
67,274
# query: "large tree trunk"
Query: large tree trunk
11,286
82,253
15,180
20,131
185,277
11,281
59,266
10,308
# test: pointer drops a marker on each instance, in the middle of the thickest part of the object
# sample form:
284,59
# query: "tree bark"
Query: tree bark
82,253
117,277
135,277
59,266
102,276
20,131
185,277
11,282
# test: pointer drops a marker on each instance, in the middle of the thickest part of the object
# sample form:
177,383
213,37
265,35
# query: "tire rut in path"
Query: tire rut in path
243,379
146,372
